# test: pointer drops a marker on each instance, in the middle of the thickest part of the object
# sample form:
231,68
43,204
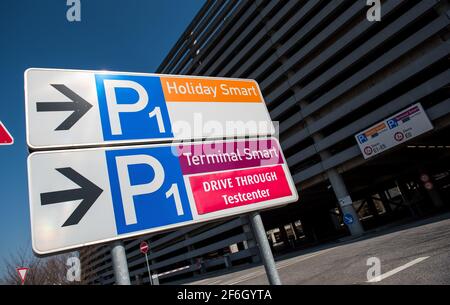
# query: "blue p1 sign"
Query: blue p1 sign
132,107
139,179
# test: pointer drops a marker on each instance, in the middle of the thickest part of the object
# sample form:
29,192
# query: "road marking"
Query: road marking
259,271
297,259
247,277
396,270
215,282
205,282
280,265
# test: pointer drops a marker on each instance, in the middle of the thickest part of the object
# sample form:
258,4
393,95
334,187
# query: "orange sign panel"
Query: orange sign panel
180,89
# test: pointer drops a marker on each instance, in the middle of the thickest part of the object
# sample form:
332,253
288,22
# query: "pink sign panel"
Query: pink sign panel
224,190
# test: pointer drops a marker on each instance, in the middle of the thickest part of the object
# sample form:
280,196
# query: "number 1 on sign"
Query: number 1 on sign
157,112
173,191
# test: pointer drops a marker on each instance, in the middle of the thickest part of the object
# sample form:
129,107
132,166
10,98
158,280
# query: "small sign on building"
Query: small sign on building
397,129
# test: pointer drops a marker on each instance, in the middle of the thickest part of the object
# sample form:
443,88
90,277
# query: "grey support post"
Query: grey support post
264,249
120,265
345,202
337,183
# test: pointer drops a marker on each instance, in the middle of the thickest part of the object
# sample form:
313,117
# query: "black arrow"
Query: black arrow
89,192
78,105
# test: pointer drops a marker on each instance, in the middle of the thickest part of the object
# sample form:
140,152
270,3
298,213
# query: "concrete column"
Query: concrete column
337,183
345,202
119,262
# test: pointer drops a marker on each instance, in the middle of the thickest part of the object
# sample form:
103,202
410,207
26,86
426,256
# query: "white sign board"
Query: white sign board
73,108
393,131
87,196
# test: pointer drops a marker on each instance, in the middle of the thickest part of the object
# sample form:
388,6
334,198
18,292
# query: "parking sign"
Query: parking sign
82,197
73,108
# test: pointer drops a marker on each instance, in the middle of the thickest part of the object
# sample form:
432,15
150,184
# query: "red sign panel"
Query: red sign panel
143,247
5,136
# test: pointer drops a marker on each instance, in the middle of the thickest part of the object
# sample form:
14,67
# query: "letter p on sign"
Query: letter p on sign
132,107
129,190
114,108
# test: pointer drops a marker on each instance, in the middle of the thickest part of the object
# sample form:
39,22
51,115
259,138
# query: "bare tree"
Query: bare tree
42,271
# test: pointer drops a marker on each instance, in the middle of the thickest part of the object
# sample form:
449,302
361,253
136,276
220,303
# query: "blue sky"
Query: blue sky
132,35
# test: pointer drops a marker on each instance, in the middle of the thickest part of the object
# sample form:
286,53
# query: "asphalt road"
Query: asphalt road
417,253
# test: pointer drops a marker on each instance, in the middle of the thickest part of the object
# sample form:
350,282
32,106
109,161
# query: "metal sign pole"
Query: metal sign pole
264,249
120,265
148,269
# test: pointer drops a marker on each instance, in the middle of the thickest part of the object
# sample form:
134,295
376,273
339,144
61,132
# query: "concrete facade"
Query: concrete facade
327,73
